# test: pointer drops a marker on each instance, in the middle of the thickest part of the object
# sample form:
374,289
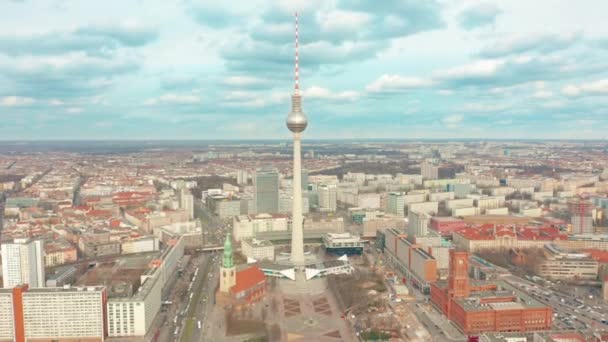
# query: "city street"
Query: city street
570,312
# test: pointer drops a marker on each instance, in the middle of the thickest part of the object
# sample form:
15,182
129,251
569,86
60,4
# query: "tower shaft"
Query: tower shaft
297,231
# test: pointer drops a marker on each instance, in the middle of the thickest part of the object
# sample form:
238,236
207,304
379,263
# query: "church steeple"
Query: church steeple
228,263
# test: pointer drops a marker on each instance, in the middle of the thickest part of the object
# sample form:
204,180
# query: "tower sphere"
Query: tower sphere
296,121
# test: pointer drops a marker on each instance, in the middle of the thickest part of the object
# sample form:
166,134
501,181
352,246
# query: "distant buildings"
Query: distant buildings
53,314
266,191
242,177
186,199
503,237
435,171
581,216
446,225
23,263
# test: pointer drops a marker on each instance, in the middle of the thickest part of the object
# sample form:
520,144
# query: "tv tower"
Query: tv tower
297,122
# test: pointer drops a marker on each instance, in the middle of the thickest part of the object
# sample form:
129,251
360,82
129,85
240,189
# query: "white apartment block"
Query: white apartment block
133,316
49,314
23,263
257,249
246,226
327,197
418,224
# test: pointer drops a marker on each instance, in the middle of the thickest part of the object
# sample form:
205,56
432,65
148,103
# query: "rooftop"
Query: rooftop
248,278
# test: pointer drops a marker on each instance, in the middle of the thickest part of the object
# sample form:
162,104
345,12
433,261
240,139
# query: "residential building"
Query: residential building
327,197
53,314
23,263
418,223
396,203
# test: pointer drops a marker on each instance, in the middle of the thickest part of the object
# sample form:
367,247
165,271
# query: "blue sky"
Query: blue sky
185,69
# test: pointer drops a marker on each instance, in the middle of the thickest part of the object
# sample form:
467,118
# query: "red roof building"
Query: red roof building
250,285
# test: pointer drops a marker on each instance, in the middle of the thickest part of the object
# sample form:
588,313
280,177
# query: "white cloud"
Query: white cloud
482,107
55,102
240,95
483,68
15,101
446,92
504,122
452,120
541,90
388,83
74,110
553,104
173,99
103,124
599,87
315,92
244,81
252,99
342,21
543,94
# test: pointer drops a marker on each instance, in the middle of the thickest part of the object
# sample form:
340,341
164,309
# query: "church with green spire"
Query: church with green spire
227,271
228,262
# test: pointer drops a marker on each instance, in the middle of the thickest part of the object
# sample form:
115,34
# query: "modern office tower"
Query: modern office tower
242,177
186,199
53,314
296,123
396,203
23,263
581,216
418,223
266,193
304,180
227,270
327,197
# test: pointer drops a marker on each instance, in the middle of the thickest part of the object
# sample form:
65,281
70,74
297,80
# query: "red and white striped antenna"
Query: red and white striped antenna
297,70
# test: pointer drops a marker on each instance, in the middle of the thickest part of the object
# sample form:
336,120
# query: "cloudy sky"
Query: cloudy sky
207,69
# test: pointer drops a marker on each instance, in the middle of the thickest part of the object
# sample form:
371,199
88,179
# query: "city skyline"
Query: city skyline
403,70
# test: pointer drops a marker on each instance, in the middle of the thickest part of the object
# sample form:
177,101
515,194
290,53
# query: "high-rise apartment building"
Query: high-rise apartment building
23,263
434,171
186,202
266,193
242,177
328,194
581,216
53,314
396,203
418,224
